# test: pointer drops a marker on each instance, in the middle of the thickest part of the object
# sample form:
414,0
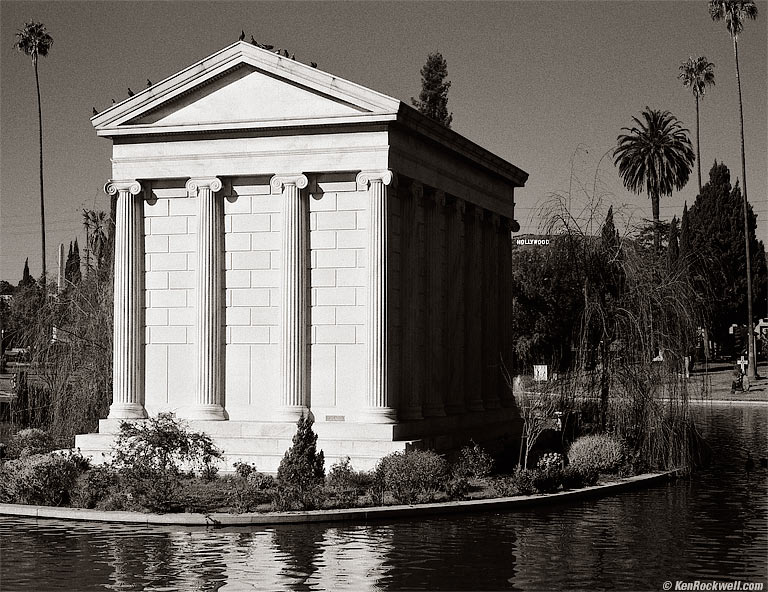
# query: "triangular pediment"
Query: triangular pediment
243,87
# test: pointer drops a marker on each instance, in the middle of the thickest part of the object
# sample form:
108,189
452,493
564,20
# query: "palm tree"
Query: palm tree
97,232
655,156
734,13
34,41
696,74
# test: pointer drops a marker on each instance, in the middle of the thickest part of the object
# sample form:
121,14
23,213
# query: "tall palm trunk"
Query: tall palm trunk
750,335
698,142
40,139
656,223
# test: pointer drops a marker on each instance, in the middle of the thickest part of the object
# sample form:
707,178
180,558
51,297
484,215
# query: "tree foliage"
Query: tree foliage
433,98
655,156
715,252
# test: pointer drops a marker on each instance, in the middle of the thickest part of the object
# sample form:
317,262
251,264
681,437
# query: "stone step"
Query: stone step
276,429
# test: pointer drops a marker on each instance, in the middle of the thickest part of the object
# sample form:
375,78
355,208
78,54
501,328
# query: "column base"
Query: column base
454,408
127,411
476,405
411,414
379,415
206,413
292,413
434,411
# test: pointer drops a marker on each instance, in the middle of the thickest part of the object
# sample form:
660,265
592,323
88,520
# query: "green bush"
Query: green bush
412,476
28,442
457,488
244,469
301,473
523,481
94,486
149,455
473,463
547,479
601,452
42,479
576,477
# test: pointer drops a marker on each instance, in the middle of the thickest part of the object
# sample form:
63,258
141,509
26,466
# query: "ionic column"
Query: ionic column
505,309
435,298
294,297
491,370
128,338
457,303
474,316
413,339
209,301
379,404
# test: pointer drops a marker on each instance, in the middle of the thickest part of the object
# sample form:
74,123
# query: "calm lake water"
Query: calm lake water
712,526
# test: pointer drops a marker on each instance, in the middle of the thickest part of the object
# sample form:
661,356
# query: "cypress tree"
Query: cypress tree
433,98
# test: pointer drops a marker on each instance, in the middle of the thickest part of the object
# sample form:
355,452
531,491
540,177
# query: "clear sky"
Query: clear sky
547,85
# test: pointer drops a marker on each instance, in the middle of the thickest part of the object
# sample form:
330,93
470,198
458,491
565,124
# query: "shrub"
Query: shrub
602,452
505,486
94,486
473,463
301,472
413,475
244,469
246,494
457,488
149,455
42,479
576,477
548,479
523,481
28,442
550,459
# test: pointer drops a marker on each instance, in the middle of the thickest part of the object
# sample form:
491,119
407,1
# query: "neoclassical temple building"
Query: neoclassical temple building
289,242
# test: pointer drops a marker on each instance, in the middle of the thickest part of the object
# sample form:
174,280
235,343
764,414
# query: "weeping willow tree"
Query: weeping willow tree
634,325
68,335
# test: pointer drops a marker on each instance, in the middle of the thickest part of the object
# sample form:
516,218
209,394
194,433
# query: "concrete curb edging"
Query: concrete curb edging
217,520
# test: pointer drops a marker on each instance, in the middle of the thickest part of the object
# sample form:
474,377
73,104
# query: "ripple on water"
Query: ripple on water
714,525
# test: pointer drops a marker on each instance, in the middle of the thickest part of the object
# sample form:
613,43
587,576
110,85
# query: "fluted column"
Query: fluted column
491,371
209,395
457,303
380,408
474,317
413,338
294,297
505,309
128,336
436,384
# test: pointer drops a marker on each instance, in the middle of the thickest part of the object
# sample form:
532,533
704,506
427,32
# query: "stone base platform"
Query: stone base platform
264,443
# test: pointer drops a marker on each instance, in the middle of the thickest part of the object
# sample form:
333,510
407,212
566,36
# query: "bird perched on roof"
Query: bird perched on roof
113,101
313,64
242,36
293,57
285,53
253,41
149,83
130,92
95,112
267,47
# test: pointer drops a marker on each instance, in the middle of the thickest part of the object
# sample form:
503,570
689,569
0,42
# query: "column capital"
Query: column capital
461,207
417,190
112,187
364,178
194,185
281,180
438,196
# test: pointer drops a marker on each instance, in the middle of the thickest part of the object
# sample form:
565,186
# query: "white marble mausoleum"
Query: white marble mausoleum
291,242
